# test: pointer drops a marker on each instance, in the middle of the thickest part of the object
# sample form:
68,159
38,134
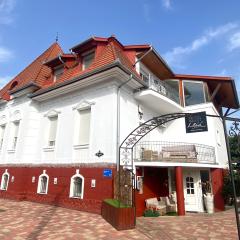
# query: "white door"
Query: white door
191,180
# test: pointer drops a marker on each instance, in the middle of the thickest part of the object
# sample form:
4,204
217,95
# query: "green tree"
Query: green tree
234,143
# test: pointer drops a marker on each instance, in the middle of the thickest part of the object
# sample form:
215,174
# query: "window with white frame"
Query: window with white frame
87,60
77,186
43,183
84,126
15,133
5,180
2,131
53,120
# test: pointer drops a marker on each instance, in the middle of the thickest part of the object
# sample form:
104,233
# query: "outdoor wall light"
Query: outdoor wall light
99,154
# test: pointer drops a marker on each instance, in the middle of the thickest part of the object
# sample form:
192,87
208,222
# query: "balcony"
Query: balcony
164,97
174,152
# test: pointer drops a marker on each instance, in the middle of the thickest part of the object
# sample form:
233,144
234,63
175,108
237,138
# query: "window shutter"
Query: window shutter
16,129
53,129
84,126
2,131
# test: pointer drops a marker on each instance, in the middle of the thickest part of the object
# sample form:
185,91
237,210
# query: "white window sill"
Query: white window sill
81,146
75,197
11,150
48,149
3,189
42,193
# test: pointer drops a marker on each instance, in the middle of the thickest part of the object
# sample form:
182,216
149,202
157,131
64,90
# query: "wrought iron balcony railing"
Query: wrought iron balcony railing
174,152
162,88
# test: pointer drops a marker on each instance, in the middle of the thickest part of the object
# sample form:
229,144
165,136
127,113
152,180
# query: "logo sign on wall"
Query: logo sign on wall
107,173
196,122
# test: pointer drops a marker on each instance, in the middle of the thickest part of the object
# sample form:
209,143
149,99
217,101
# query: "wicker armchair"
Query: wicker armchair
154,204
170,204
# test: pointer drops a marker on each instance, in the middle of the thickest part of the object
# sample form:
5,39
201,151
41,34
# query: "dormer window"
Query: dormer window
57,72
87,60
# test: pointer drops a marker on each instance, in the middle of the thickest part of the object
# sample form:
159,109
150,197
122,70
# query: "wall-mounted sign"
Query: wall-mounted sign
107,173
196,122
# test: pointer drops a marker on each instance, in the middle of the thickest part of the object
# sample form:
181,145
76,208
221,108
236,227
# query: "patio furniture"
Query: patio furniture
181,151
150,155
170,204
154,204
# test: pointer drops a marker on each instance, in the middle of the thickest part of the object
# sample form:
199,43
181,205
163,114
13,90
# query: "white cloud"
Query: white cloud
4,80
167,4
5,54
175,56
234,41
6,8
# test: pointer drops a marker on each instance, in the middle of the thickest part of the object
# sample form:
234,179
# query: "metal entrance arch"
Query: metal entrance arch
126,147
125,155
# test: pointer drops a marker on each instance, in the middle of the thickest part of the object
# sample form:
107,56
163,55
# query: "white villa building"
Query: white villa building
64,116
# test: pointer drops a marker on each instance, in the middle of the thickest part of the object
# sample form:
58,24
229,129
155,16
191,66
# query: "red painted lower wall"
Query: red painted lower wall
155,184
22,188
217,185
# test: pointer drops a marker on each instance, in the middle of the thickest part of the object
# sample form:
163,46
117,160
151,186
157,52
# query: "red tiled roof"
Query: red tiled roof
35,72
104,55
107,51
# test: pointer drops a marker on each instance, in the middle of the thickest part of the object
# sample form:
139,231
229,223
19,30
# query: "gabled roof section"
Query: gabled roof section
35,72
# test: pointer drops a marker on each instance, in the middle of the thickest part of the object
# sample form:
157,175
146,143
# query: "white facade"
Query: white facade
33,116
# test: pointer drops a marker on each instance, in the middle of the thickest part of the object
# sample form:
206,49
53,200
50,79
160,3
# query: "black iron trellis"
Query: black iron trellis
125,157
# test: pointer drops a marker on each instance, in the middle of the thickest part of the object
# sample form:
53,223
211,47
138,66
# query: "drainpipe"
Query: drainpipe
118,117
118,105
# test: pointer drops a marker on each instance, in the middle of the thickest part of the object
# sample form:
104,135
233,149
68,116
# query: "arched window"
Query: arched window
5,180
43,183
77,186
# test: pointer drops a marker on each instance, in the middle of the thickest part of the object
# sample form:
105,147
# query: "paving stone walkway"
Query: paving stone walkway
27,221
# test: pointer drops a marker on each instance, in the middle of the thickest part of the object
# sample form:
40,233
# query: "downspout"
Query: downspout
118,118
118,105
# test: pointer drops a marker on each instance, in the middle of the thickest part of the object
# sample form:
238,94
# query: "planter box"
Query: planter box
120,218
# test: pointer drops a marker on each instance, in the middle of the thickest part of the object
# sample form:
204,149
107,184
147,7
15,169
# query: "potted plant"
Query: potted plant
119,215
208,197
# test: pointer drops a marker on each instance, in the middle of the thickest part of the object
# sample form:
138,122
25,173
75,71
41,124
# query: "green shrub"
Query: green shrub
151,213
116,203
227,190
171,214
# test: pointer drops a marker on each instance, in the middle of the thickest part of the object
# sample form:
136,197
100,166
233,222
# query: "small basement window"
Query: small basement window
87,60
4,182
77,186
43,184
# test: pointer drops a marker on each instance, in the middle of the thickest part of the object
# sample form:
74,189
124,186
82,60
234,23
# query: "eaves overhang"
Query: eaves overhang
117,64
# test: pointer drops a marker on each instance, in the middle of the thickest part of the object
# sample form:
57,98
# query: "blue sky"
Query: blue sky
194,37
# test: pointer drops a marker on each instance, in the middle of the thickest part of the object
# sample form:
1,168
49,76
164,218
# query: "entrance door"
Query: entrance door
191,181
